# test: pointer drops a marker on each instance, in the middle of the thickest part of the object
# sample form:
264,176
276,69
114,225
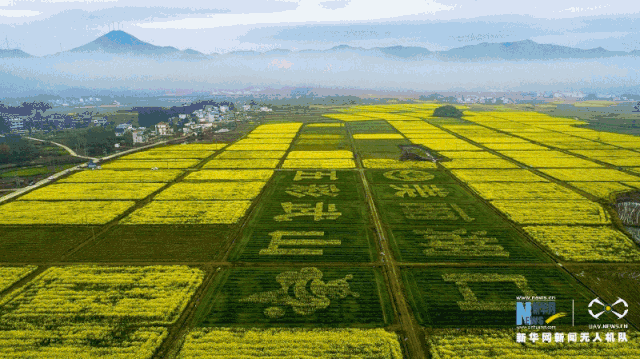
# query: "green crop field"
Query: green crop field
322,244
40,243
323,296
175,243
486,297
477,243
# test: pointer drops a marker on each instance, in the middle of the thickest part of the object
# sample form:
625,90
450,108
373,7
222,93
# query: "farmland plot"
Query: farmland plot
326,296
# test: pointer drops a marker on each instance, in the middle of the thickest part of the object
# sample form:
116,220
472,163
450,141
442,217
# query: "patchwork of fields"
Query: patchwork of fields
329,239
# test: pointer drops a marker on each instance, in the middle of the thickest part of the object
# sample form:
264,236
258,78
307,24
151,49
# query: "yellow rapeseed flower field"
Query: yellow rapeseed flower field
479,163
524,154
189,212
229,175
446,144
259,146
336,163
604,190
497,175
319,154
384,163
62,212
622,161
553,212
590,175
562,162
468,154
211,191
111,176
85,191
583,244
260,135
632,145
347,118
160,164
291,343
607,153
523,191
250,154
80,341
103,294
514,146
633,184
200,146
161,155
494,139
10,275
254,141
242,163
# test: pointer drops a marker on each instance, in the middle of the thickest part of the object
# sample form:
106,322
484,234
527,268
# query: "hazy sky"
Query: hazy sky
43,27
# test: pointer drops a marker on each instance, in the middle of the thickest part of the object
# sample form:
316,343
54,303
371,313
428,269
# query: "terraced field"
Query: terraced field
321,239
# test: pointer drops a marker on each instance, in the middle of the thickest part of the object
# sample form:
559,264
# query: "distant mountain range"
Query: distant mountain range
13,53
122,43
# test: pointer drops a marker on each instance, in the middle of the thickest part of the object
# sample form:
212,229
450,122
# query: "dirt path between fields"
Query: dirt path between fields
412,336
410,327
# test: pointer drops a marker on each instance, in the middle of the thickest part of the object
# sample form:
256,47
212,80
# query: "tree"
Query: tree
16,149
128,139
4,128
432,97
151,116
447,111
100,140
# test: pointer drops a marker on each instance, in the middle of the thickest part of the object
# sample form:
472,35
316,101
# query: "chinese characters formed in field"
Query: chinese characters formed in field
415,190
317,212
310,293
300,243
312,190
277,242
460,243
303,175
471,302
435,211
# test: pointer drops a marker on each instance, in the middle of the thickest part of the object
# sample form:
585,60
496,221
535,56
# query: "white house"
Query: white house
224,108
246,107
139,136
16,124
163,129
182,116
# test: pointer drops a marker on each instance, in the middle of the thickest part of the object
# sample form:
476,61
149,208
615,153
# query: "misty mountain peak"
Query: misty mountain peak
119,42
120,37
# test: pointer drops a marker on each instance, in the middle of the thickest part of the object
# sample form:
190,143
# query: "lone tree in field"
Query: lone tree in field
447,111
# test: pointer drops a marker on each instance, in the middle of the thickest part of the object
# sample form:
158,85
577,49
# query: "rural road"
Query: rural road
55,176
71,152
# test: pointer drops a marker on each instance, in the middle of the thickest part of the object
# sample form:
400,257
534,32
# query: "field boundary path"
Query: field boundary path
411,329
